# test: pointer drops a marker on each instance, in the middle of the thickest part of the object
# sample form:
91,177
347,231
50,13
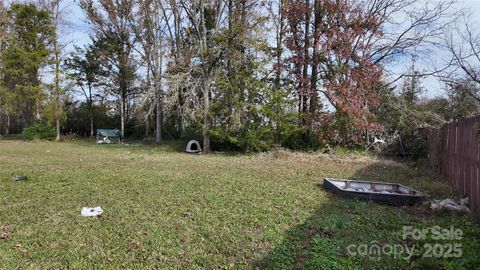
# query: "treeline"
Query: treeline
236,74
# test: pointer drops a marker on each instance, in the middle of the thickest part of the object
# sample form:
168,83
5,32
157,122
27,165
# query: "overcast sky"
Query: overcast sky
77,34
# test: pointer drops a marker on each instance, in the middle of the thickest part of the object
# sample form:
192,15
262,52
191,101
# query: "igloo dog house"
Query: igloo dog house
193,147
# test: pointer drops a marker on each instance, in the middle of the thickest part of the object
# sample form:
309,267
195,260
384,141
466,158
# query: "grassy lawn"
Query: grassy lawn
247,211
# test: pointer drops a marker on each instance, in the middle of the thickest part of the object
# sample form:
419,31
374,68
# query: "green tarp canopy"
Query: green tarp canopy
111,133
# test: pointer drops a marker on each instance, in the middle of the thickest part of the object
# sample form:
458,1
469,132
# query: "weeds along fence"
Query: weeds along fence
454,151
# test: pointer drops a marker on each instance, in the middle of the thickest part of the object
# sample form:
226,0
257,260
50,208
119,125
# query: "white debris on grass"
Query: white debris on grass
19,178
450,204
91,212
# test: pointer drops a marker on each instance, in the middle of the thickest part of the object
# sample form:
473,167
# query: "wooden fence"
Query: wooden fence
455,153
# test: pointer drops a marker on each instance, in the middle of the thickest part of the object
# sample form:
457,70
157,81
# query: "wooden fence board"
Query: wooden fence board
454,151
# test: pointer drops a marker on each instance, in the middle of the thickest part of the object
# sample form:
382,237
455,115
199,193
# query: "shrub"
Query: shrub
256,139
416,145
39,131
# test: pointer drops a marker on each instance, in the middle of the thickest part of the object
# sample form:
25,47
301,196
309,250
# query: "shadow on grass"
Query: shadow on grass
177,146
322,241
130,145
134,146
311,244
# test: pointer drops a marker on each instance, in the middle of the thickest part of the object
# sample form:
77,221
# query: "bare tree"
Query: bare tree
463,66
150,27
205,18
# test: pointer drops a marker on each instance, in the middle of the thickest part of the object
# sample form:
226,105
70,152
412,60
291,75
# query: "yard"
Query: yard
167,209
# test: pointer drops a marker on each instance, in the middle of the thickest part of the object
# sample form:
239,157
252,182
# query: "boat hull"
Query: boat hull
385,198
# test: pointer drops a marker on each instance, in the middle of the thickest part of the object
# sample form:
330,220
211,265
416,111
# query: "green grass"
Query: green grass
248,211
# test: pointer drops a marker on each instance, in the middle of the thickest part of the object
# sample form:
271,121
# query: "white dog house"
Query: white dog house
193,147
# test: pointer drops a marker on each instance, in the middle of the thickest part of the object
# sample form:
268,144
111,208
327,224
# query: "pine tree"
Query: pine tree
27,50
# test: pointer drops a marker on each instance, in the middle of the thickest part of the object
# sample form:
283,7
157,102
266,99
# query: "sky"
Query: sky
77,34
433,86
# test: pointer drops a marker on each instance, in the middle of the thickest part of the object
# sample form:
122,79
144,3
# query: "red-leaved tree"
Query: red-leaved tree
331,57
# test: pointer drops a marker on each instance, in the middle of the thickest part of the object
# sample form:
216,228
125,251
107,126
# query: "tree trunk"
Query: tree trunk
24,120
91,120
158,92
57,123
122,115
305,52
38,117
314,78
147,125
206,81
57,89
206,116
91,109
277,88
158,119
304,96
7,126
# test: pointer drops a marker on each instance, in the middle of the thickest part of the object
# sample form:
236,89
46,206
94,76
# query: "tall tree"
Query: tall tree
3,93
341,60
239,109
150,26
54,108
83,66
27,50
204,19
115,40
277,15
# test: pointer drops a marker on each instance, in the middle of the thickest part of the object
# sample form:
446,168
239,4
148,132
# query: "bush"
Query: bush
253,140
416,145
39,131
